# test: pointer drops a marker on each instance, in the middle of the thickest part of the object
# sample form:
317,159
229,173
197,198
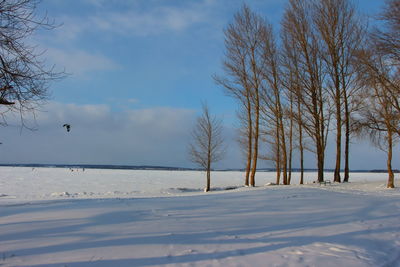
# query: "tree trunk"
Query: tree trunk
320,151
249,143
301,164
390,183
320,162
208,166
290,151
347,140
278,156
338,137
256,136
208,185
290,139
322,140
284,156
300,140
248,165
283,143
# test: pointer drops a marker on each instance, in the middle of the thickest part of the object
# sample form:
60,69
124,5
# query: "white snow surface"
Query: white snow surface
59,217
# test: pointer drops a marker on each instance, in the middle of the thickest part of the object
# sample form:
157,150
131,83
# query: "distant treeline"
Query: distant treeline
162,168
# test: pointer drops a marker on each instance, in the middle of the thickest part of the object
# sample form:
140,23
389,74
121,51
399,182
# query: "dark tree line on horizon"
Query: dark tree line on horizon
325,72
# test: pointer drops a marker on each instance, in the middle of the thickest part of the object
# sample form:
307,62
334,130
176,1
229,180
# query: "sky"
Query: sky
138,72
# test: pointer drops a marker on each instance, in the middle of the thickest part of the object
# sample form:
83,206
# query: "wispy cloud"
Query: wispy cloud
100,135
79,62
155,21
137,19
133,100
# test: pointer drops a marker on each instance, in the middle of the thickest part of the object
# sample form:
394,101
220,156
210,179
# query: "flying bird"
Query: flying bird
67,126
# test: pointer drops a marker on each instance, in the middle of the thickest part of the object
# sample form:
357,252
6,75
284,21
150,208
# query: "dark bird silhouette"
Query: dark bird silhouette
67,126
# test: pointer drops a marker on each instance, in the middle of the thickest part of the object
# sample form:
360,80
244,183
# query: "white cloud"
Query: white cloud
69,29
134,20
101,136
133,100
155,21
79,62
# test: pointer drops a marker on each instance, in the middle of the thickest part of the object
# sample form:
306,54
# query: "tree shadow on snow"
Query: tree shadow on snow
273,223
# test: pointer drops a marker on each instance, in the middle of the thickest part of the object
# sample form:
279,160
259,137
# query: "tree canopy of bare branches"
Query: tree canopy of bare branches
379,64
388,38
24,76
379,120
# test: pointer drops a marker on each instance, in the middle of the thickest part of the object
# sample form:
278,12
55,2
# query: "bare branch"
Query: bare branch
24,76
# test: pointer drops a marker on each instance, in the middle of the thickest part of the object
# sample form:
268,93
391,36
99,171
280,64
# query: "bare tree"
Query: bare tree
379,74
300,33
379,117
376,121
207,145
273,100
24,77
243,67
341,33
291,77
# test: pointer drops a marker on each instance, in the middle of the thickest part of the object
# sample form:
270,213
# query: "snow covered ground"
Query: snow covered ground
59,217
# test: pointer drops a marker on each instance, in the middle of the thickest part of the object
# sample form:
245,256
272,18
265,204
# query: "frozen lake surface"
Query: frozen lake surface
25,184
59,217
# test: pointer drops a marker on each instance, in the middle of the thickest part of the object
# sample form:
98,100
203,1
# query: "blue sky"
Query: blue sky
138,72
159,53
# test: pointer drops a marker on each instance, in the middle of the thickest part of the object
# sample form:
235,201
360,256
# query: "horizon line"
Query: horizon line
162,167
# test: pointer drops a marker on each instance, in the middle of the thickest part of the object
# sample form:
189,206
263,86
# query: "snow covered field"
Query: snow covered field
59,217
